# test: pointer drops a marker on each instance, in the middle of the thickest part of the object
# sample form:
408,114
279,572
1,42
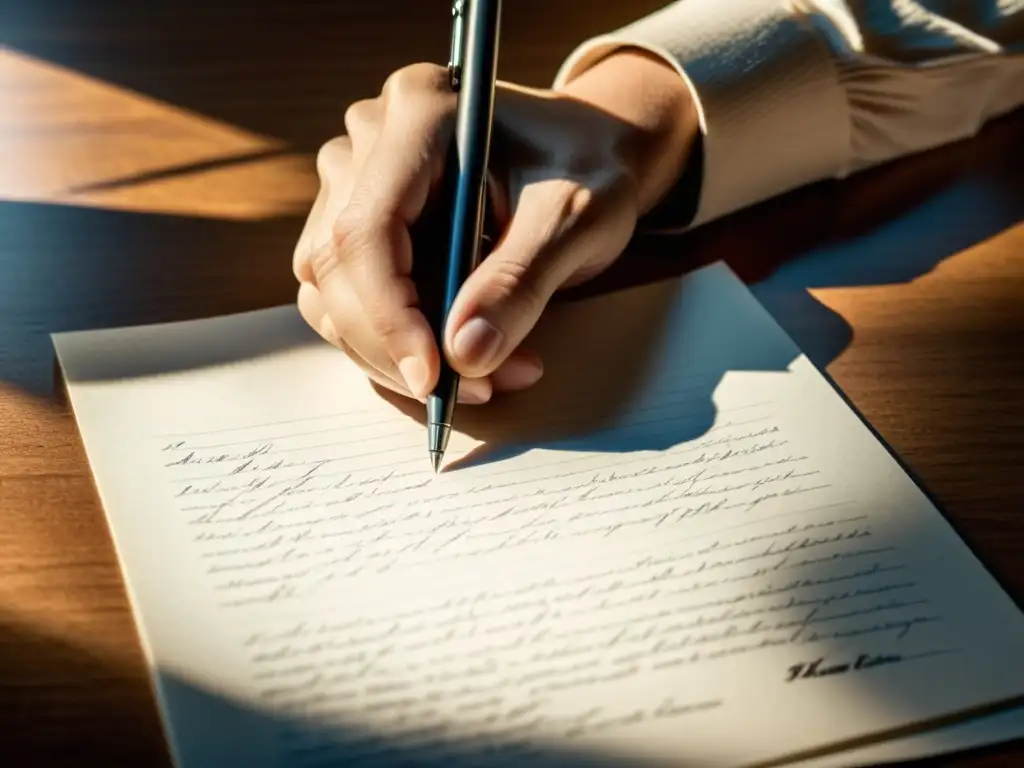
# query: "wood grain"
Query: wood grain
157,164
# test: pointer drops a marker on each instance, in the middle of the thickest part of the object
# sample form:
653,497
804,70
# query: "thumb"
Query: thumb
503,298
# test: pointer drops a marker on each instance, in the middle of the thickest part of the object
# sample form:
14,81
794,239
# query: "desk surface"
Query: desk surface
157,165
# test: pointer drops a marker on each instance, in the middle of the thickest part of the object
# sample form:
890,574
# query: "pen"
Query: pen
472,69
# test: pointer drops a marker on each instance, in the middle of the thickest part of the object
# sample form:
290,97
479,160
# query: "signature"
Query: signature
820,667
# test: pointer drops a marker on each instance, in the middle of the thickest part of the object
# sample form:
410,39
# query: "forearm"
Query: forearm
646,93
789,93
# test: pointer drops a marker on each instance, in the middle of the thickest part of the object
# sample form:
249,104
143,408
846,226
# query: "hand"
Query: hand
571,173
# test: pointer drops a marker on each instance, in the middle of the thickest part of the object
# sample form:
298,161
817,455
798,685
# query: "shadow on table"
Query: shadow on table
287,70
890,225
63,705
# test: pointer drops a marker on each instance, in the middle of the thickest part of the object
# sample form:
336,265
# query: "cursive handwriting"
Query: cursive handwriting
726,548
822,667
274,524
495,651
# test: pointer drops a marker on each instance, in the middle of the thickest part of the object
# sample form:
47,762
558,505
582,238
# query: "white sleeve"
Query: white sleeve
791,92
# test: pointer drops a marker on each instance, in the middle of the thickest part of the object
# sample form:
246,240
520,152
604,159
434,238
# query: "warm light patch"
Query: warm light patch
925,301
59,577
67,138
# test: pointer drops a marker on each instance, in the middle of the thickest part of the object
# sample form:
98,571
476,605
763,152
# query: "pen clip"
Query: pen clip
457,43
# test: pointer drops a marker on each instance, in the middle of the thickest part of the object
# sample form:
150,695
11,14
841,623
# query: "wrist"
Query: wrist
650,97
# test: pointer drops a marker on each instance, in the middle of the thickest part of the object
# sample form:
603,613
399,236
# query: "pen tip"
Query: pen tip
435,461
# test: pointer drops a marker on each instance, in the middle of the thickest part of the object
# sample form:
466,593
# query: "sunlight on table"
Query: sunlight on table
70,139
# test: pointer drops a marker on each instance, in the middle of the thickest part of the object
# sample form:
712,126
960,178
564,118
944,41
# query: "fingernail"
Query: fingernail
471,396
414,373
518,373
476,342
474,391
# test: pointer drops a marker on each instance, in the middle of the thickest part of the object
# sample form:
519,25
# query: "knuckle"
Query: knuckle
347,235
301,264
322,263
576,201
343,248
360,115
521,280
419,98
581,203
333,157
415,80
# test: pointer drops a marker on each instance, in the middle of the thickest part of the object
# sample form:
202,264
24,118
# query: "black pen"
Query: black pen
473,69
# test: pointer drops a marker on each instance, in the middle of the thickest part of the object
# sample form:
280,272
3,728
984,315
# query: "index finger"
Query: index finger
372,253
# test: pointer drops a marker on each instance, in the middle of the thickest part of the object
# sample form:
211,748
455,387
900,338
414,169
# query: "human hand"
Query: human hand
571,172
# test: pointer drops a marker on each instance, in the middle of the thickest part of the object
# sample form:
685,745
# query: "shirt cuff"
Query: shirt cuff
773,115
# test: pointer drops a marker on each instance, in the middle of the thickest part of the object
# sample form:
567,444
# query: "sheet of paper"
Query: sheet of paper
682,549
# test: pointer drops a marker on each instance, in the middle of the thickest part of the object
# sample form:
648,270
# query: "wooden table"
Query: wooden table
156,164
